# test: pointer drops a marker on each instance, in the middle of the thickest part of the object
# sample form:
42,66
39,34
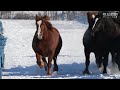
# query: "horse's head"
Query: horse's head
40,24
104,23
45,17
91,18
98,24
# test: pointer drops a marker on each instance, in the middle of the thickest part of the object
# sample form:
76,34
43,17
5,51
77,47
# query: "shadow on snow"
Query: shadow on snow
64,70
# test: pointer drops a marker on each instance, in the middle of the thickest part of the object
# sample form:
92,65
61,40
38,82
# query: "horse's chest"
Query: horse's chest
43,49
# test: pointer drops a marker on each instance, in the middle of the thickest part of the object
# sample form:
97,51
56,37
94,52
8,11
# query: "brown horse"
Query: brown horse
47,42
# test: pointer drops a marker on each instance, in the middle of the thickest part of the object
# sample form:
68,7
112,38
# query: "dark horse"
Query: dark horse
91,45
47,42
107,35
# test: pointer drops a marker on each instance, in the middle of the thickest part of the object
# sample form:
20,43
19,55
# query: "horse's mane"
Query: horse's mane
48,24
110,27
109,23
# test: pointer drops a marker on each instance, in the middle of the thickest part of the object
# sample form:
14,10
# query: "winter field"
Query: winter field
20,60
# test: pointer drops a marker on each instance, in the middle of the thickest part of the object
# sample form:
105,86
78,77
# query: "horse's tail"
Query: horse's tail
59,46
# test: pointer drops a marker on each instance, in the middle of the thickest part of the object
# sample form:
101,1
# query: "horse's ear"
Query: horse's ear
37,18
89,16
47,17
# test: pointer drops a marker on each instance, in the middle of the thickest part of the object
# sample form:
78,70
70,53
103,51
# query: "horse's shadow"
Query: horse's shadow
64,70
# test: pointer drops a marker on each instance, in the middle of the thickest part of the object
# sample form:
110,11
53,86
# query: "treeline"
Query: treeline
54,15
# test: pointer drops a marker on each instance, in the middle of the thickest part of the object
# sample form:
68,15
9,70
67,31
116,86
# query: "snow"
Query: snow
20,60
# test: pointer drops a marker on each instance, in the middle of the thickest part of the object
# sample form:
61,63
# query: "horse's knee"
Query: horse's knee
40,63
86,72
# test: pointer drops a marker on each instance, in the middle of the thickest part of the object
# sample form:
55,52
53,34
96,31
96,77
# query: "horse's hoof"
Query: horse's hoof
86,72
104,72
41,66
48,73
55,73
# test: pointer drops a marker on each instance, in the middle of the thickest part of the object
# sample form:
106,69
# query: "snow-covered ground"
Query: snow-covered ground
20,60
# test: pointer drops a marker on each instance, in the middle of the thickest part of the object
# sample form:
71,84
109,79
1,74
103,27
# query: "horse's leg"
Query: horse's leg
45,63
105,63
39,60
55,68
118,60
87,62
50,57
98,58
55,64
113,54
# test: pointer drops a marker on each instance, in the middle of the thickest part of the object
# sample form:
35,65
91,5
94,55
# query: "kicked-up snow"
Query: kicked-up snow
20,60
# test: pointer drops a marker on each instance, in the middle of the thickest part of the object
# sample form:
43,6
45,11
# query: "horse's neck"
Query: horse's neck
48,25
46,34
113,27
91,23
